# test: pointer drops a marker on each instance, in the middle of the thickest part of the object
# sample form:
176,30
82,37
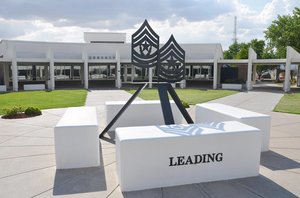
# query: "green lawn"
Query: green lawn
43,99
192,96
289,103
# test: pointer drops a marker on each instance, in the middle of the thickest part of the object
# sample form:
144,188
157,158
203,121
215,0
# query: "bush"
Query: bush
293,81
33,111
185,104
14,111
21,112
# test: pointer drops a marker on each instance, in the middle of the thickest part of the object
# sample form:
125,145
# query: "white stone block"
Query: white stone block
215,112
76,139
31,87
161,156
232,86
3,88
139,113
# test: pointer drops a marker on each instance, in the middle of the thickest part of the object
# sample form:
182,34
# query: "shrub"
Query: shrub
21,112
14,111
293,81
185,104
33,111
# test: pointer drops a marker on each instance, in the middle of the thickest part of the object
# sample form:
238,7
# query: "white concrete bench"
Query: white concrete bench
160,156
215,112
30,87
139,113
76,139
3,88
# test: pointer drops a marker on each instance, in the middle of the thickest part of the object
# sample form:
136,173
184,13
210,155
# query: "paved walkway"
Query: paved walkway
263,102
27,158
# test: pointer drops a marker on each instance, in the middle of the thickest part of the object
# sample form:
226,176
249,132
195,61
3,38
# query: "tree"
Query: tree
232,51
283,32
240,50
259,47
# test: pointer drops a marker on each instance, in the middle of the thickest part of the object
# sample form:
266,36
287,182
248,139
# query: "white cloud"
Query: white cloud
45,31
252,24
180,23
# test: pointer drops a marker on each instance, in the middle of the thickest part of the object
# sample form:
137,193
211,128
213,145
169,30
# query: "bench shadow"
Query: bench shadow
258,186
264,187
275,161
80,180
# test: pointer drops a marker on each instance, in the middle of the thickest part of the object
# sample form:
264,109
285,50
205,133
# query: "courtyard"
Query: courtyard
27,157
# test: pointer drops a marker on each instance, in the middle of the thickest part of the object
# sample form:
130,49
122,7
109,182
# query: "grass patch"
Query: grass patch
43,99
191,96
289,103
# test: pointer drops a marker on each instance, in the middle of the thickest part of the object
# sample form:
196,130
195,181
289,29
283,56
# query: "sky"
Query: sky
190,21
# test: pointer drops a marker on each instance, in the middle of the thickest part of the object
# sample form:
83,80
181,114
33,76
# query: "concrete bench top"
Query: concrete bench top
181,130
232,111
79,116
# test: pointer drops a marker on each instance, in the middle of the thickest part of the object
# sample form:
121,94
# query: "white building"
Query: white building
104,59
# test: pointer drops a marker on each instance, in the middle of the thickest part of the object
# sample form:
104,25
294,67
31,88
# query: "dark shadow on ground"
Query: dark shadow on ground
80,180
109,137
259,186
275,161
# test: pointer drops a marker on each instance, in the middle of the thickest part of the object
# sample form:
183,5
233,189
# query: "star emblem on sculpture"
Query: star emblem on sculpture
145,48
173,64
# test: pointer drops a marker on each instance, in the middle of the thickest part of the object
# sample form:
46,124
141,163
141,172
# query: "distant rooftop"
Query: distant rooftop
104,37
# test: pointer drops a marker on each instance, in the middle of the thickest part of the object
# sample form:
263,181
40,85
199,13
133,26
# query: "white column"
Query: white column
14,69
118,80
41,72
287,77
85,68
254,74
51,85
215,81
217,73
251,56
249,75
150,77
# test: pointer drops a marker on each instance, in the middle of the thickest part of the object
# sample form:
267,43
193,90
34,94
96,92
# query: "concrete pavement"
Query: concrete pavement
27,158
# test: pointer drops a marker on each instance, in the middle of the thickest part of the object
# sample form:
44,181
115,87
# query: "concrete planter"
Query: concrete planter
232,86
3,88
30,87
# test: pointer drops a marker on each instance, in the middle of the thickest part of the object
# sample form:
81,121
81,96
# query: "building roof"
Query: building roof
64,50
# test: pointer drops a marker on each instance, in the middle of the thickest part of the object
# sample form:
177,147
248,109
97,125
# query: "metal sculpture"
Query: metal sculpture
170,63
144,47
